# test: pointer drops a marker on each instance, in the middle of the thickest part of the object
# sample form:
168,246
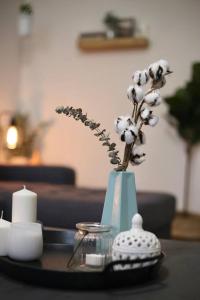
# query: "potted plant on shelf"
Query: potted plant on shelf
184,115
25,18
119,27
120,202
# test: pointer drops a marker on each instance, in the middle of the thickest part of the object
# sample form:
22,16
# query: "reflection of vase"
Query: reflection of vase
120,203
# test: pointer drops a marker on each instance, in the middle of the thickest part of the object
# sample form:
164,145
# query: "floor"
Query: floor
186,227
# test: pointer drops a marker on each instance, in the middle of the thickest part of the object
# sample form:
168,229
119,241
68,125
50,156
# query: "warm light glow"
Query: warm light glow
12,137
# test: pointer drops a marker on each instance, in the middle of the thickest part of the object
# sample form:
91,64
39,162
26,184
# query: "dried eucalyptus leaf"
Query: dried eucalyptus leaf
83,118
100,133
59,109
106,144
87,123
104,138
114,161
92,125
112,146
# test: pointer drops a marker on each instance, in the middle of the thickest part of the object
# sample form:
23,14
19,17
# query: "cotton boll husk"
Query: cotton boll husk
145,113
140,77
153,98
122,122
158,84
141,138
153,121
135,93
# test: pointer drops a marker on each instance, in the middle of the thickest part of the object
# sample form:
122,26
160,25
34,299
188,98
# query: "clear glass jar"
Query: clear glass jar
93,246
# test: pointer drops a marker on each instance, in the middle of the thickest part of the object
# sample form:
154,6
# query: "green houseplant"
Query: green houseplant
184,115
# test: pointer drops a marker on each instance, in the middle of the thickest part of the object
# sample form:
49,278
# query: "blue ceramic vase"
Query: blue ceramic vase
120,203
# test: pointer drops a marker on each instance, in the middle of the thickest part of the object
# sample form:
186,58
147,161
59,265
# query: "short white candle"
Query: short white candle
25,241
4,231
95,260
24,206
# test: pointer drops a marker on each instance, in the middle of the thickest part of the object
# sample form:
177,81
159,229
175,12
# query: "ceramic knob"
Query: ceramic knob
136,243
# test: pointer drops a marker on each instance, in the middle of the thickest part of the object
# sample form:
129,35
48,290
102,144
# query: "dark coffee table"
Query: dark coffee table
179,279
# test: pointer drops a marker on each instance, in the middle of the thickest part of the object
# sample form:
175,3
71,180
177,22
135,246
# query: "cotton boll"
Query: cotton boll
136,161
156,71
137,156
137,151
145,113
153,121
153,69
133,130
140,77
153,98
135,93
136,77
129,137
148,118
129,134
165,65
122,122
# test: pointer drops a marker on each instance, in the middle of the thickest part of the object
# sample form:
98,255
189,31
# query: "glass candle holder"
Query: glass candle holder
93,246
25,241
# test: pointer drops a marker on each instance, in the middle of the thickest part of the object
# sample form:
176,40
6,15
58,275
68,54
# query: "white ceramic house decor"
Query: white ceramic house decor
135,243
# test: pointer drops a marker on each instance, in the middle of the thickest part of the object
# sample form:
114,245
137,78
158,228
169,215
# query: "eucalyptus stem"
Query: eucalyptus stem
77,114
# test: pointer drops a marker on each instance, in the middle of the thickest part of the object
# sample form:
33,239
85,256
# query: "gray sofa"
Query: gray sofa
62,204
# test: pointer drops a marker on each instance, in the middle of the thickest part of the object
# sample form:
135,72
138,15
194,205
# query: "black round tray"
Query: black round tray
51,270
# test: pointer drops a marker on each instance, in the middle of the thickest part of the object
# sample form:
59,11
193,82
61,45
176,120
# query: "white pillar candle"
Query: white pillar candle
24,206
4,231
95,260
25,241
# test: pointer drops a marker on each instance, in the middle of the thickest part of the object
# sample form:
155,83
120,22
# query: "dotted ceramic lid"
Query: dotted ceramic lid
137,240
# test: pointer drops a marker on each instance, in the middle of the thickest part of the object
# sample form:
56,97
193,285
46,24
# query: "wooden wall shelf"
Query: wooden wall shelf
102,44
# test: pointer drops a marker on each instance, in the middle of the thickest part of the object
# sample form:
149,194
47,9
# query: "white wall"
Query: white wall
8,54
97,82
9,64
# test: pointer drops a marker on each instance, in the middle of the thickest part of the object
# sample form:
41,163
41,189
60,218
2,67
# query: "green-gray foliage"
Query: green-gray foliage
26,8
184,108
111,21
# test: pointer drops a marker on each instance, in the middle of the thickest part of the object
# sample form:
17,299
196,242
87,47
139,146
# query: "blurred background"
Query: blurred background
44,64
